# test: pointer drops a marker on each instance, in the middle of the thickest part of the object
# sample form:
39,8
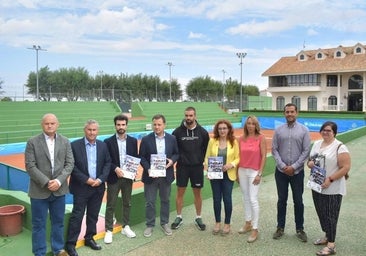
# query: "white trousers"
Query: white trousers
250,195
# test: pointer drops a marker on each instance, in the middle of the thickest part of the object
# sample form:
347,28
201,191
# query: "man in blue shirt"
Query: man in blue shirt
290,149
87,184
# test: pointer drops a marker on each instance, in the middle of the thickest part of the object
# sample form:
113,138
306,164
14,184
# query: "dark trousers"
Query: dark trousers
328,207
222,191
125,186
91,202
296,183
150,192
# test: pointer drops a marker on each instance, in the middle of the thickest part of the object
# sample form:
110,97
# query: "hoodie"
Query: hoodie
192,144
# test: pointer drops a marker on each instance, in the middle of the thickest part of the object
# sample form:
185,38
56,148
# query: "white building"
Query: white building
323,79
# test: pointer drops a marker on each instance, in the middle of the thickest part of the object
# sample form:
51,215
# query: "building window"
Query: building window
358,50
312,103
332,80
297,101
319,56
355,82
332,101
338,54
302,57
277,81
303,80
280,103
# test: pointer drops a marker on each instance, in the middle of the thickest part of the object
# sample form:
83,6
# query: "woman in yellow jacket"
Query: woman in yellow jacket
223,144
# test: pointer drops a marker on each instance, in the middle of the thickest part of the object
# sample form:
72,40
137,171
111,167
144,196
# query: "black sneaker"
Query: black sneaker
301,235
177,223
199,224
278,234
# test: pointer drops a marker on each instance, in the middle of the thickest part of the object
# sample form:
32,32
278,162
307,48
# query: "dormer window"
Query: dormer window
339,54
359,49
319,55
302,56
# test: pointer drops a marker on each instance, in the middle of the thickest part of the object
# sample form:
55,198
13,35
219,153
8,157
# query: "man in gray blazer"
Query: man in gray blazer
49,162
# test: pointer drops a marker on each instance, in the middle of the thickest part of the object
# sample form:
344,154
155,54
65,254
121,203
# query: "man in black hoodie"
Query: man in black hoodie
192,143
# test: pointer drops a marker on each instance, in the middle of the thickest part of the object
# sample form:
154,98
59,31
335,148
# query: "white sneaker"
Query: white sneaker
108,238
128,232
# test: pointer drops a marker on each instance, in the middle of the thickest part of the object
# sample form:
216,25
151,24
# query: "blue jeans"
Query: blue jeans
55,205
297,186
222,190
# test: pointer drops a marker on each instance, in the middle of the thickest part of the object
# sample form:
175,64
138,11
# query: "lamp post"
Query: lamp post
241,55
223,87
156,89
101,84
37,48
170,64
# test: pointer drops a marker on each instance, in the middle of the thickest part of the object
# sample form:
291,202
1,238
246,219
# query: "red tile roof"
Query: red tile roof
291,65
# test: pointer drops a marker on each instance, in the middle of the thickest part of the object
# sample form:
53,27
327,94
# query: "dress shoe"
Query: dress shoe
92,244
62,253
71,251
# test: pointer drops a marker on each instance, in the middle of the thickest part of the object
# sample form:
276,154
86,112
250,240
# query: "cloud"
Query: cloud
312,32
193,35
259,28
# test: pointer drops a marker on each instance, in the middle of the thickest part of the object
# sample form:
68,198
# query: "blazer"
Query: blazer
112,145
80,174
39,169
232,155
148,147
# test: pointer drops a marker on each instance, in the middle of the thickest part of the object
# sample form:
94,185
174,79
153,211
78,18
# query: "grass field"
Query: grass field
21,120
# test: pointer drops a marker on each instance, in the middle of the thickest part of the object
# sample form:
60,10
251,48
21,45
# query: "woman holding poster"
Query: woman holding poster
327,202
223,144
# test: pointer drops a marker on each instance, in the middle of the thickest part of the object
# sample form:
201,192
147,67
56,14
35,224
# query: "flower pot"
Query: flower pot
11,219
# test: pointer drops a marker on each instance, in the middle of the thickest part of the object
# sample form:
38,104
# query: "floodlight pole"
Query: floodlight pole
170,64
101,84
241,55
37,48
223,86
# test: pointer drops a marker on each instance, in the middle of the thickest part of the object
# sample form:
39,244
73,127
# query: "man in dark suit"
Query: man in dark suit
49,162
158,142
119,145
92,165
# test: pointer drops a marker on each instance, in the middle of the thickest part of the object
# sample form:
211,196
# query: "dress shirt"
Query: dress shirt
121,150
91,153
160,144
291,146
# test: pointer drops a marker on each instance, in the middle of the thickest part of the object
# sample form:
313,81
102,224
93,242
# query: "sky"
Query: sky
199,38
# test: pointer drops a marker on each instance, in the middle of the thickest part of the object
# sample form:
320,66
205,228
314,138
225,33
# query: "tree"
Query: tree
43,83
204,89
6,99
1,86
251,90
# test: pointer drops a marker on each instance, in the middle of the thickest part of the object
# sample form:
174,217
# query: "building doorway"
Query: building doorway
355,101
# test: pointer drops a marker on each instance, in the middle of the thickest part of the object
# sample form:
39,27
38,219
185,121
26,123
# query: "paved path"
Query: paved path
187,240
